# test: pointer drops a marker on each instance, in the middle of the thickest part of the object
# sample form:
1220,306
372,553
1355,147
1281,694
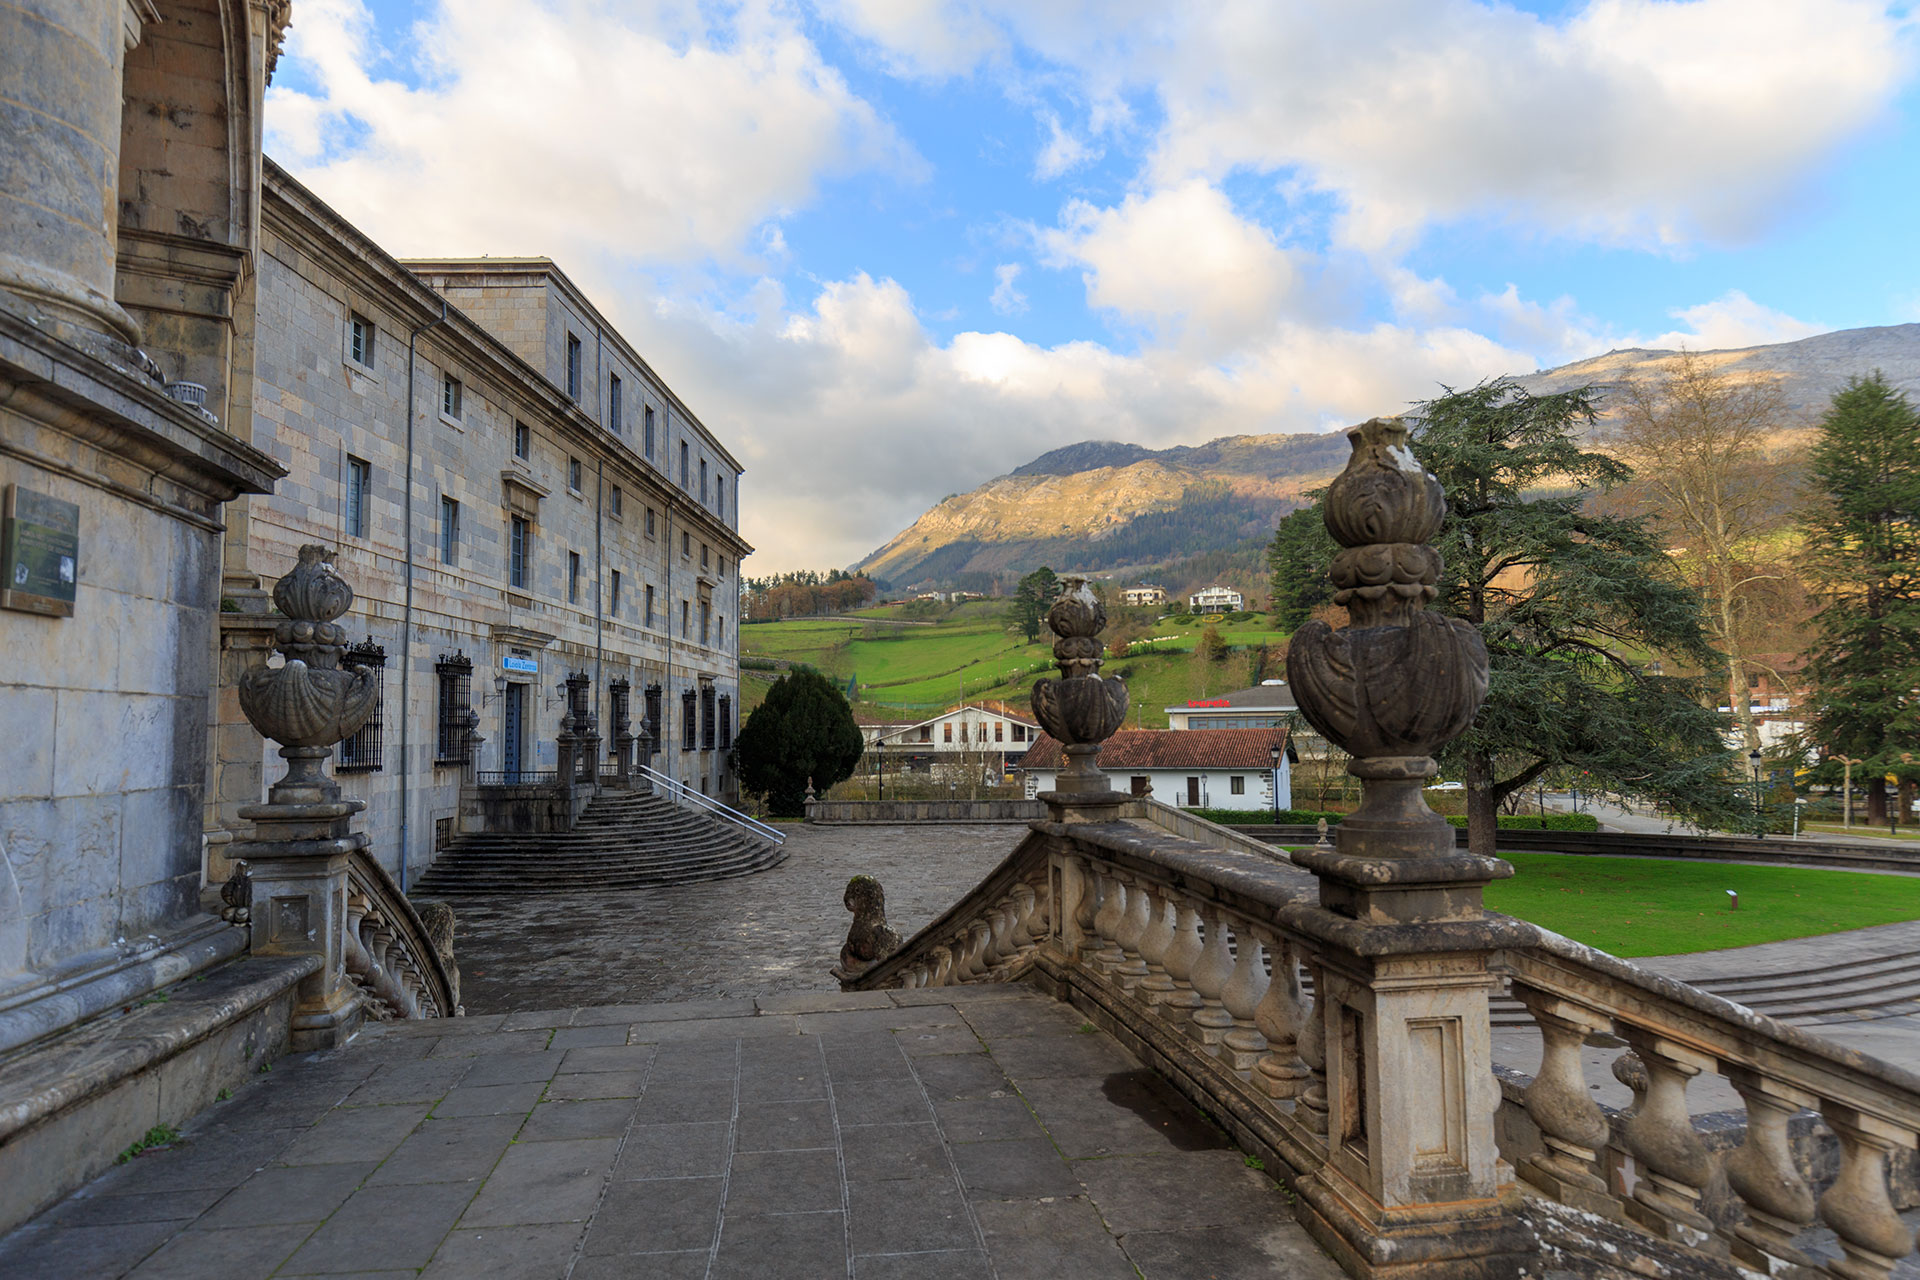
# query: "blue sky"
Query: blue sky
890,248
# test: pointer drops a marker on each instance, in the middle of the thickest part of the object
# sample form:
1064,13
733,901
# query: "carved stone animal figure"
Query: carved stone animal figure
869,939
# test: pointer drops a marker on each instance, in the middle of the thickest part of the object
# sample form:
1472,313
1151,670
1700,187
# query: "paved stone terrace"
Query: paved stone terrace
778,930
965,1132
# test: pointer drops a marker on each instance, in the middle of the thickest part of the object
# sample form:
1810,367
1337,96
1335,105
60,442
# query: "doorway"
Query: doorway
1193,793
512,730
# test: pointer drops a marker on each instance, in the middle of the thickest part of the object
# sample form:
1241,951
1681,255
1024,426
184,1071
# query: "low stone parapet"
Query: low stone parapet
854,812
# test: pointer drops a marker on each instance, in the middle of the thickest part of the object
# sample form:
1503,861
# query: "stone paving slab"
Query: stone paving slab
989,1133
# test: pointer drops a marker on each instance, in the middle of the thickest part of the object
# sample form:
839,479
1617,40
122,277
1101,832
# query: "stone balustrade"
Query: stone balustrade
1202,959
401,963
1674,1033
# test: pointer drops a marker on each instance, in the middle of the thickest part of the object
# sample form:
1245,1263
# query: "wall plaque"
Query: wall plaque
39,553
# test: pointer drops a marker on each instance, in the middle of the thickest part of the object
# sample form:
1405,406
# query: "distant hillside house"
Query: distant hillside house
1217,600
990,732
1268,705
1136,596
1225,769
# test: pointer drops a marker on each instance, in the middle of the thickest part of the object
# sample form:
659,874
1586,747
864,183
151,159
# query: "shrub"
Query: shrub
1534,822
1264,817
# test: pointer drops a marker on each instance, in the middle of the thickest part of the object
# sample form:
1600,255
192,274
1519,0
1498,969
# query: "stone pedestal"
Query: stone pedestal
298,864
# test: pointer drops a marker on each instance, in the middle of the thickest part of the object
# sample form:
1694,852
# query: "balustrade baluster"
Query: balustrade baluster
1243,1046
1154,944
942,958
1312,1045
1571,1124
1000,944
1210,973
979,936
1133,926
1279,1016
1106,923
1857,1206
1181,955
1076,899
1778,1201
1672,1161
1086,904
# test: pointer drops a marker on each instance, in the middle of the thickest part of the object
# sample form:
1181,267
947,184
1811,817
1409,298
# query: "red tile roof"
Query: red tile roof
1172,749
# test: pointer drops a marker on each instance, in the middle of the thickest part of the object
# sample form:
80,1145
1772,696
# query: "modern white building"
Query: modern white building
1217,600
991,732
1225,769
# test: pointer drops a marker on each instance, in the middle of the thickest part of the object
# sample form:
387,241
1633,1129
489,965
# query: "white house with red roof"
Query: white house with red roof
1218,769
990,732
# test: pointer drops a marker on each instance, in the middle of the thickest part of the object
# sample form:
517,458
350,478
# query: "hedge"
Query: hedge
1533,822
1308,817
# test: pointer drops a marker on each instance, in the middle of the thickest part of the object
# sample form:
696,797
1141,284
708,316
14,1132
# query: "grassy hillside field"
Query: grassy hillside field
908,666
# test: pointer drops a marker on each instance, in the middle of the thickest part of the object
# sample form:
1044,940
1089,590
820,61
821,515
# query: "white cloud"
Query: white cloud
1645,122
852,419
574,128
1006,299
1729,322
1181,260
1063,152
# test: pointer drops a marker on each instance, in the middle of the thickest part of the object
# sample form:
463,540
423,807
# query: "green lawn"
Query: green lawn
1653,907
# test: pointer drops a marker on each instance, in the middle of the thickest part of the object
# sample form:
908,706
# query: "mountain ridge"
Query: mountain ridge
1194,512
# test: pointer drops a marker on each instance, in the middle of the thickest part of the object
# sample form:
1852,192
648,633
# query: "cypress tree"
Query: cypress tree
803,731
1862,538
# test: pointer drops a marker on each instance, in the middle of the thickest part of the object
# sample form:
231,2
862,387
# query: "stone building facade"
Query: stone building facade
129,200
571,518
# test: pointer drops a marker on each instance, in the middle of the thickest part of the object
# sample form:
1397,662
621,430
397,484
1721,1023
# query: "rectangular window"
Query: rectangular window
450,396
573,577
703,481
454,676
573,474
706,622
726,722
522,441
706,561
449,531
706,718
649,522
517,549
616,503
947,735
613,603
686,545
683,464
1019,733
646,415
653,719
360,341
686,613
649,606
573,367
720,500
687,726
1237,785
926,733
999,731
613,403
362,752
359,485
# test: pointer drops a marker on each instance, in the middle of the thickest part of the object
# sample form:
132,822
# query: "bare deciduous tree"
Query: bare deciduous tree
1711,468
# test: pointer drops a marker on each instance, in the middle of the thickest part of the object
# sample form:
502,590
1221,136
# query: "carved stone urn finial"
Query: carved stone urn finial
309,703
1397,683
1082,709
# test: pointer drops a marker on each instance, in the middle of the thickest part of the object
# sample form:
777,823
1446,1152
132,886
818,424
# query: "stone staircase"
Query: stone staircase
623,840
1883,985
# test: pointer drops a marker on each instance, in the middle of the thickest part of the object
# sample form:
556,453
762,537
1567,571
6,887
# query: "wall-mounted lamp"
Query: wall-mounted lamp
499,692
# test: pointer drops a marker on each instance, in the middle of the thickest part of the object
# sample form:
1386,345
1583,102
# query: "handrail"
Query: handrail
392,952
680,793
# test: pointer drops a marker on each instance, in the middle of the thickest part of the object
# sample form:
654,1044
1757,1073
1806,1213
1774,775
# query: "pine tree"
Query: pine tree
1572,605
1031,600
1862,534
1299,556
803,732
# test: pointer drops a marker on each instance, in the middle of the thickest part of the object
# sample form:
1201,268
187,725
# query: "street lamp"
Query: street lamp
1273,758
1753,761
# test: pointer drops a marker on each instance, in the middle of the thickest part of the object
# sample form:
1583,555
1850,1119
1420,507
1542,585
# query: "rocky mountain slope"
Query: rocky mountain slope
1201,511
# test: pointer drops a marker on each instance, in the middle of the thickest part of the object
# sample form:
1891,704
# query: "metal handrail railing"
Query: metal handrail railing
680,793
